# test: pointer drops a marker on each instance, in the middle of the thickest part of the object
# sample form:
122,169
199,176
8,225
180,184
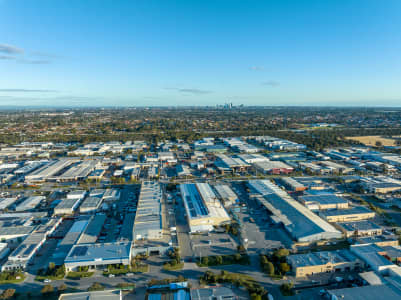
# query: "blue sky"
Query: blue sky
140,53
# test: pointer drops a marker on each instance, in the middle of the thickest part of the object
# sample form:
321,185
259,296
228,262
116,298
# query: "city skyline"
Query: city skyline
197,53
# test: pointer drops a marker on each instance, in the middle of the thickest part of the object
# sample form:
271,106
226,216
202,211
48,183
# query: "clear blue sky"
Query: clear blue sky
138,53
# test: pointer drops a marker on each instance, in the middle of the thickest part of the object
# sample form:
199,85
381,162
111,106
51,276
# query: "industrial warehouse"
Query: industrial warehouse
324,262
148,219
150,235
202,207
98,255
323,202
226,194
302,224
49,170
356,213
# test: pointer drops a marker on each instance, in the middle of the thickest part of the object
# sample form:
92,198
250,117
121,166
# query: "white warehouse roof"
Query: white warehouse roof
299,221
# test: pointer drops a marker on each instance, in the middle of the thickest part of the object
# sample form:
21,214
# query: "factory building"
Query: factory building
336,167
323,202
202,207
324,262
252,158
77,172
392,253
273,143
226,163
22,255
67,206
22,215
51,169
211,293
293,185
6,202
30,203
148,219
76,194
29,167
96,193
370,254
97,174
392,159
366,292
150,235
379,240
310,167
100,295
302,224
226,194
380,184
312,183
273,167
98,256
168,157
90,205
359,228
240,146
11,234
72,236
111,195
356,213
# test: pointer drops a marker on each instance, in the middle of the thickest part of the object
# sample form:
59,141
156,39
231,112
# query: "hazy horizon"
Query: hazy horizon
200,53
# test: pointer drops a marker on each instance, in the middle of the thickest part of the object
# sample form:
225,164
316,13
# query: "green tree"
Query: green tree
255,296
52,266
284,268
263,260
60,271
269,268
62,288
7,294
96,286
47,289
234,231
286,289
281,253
205,261
219,260
241,248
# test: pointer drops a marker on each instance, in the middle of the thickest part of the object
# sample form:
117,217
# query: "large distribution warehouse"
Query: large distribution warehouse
203,208
302,224
149,233
148,219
